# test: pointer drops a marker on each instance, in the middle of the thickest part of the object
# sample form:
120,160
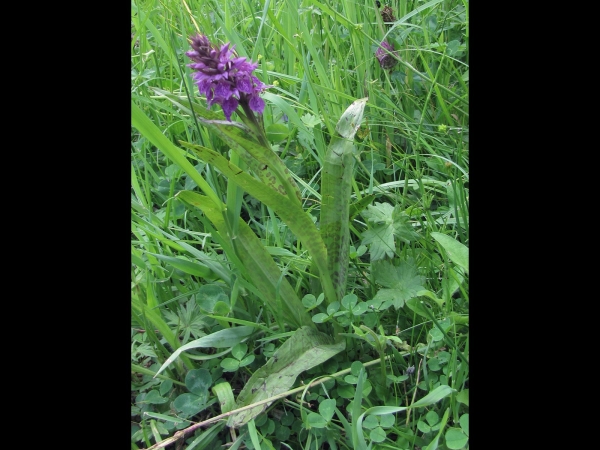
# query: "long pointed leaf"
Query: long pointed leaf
222,338
263,161
270,168
336,187
266,276
299,222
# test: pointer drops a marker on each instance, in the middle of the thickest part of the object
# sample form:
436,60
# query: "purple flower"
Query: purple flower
224,78
384,55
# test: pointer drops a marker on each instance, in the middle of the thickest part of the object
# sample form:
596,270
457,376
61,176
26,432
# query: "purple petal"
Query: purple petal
229,106
257,104
244,84
223,89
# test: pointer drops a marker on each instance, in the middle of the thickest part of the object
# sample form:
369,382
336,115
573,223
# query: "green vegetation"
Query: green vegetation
300,276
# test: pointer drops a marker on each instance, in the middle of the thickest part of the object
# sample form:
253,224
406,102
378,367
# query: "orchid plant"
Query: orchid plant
227,80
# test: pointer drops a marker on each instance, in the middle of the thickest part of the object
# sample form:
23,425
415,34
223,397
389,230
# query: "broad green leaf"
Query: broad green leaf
333,307
299,222
436,334
457,252
209,295
261,159
165,386
432,418
349,301
264,272
222,308
336,188
222,338
455,438
423,427
387,420
305,349
282,433
309,301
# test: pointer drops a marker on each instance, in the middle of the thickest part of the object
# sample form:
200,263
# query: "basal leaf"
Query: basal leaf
265,274
305,349
299,221
336,189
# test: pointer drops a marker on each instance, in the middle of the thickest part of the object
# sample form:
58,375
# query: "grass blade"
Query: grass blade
151,132
220,339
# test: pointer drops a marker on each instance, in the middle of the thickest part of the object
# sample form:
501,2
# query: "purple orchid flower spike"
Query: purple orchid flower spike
224,78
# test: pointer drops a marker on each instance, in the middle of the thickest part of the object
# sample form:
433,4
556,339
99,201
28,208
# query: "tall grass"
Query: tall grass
406,300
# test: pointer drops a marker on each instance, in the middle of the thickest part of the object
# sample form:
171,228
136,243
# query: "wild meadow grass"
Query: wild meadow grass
334,319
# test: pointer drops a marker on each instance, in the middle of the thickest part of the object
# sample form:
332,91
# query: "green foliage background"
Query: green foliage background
405,305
